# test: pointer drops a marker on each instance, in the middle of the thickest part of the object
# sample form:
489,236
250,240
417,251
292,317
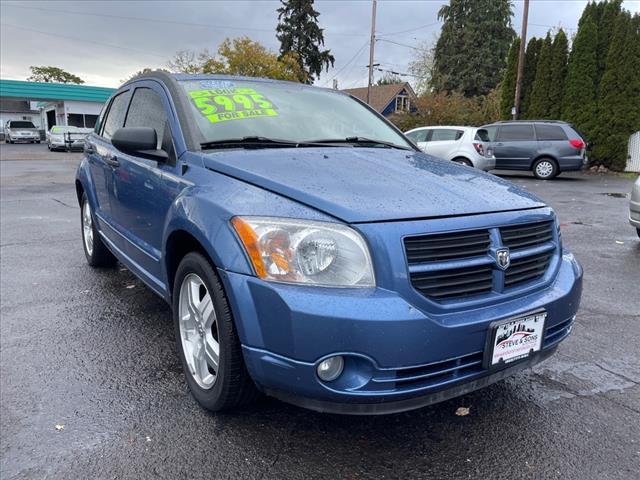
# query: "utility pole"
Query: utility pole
523,41
371,47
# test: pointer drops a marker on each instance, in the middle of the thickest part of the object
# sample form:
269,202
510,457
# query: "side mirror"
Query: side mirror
140,141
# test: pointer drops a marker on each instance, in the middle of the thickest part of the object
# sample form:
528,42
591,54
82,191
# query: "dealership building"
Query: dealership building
49,104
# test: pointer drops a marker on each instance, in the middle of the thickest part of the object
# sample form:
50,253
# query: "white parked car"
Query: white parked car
21,131
61,137
466,145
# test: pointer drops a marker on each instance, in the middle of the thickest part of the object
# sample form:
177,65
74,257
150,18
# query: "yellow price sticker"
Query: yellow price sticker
223,104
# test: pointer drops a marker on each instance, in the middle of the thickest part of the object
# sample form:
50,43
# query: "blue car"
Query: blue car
311,252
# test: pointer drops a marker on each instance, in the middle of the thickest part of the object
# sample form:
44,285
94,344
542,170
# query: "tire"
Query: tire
638,232
98,255
37,141
218,388
545,168
463,161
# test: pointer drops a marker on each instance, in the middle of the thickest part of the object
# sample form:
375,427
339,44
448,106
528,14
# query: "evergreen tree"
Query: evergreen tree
559,54
472,49
579,105
619,100
299,33
529,74
605,15
539,104
508,87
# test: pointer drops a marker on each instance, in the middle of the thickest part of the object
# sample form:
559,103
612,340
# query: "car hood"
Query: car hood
357,184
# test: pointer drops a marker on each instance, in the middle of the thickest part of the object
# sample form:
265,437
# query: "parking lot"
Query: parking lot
91,385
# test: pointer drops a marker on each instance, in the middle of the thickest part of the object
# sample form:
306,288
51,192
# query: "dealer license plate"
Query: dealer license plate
517,339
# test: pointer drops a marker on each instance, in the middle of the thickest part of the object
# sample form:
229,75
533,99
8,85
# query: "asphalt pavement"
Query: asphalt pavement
91,385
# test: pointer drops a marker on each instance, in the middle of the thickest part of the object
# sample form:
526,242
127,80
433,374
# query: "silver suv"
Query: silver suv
21,131
546,147
465,145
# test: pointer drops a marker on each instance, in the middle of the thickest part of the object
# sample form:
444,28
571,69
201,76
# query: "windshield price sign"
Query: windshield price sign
223,104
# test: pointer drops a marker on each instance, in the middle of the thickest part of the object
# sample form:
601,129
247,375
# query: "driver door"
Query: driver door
144,188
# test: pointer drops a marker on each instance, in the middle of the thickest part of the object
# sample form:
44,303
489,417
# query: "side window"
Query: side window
515,133
443,134
115,115
418,135
147,110
550,132
491,133
482,135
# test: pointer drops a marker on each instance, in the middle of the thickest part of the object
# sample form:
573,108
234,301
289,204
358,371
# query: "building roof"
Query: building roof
381,95
53,91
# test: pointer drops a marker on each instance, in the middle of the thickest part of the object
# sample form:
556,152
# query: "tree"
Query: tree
529,74
389,78
52,75
299,33
605,14
619,100
579,105
243,56
539,103
471,53
187,61
559,55
508,87
421,66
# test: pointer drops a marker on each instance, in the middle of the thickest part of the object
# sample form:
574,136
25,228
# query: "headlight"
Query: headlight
301,251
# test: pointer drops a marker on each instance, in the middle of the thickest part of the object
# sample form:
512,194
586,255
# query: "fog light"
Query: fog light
331,368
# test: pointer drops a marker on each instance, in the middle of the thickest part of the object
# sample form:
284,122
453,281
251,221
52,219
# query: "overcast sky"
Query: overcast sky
105,42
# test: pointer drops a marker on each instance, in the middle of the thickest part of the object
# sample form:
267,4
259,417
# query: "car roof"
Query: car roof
506,122
442,126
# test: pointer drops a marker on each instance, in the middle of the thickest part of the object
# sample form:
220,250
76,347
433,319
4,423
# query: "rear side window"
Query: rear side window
418,135
147,110
115,115
443,134
482,135
515,133
550,132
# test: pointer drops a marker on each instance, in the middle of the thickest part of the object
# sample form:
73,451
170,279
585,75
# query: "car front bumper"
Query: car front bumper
21,138
397,357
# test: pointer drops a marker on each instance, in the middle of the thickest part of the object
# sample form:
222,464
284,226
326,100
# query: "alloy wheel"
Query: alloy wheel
199,331
87,228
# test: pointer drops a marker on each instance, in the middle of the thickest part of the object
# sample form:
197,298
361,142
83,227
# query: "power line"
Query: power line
347,64
409,29
398,43
166,21
83,40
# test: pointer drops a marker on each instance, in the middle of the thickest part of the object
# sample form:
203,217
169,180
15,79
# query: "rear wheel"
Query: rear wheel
545,169
463,161
206,337
97,254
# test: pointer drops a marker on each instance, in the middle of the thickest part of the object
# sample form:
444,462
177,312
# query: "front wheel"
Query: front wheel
97,254
545,169
206,337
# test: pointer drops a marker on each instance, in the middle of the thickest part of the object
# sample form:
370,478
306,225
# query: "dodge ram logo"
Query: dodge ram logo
503,259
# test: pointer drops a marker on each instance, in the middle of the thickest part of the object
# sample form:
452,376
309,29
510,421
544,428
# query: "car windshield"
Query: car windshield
21,125
243,109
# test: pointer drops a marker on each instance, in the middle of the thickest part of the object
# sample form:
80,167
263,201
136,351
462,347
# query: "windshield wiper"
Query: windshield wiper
251,142
360,141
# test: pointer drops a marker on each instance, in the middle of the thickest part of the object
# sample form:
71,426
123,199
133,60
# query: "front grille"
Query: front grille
457,282
526,269
528,235
431,375
445,246
460,265
553,335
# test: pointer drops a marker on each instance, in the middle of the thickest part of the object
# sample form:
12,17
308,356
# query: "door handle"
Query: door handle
112,160
500,144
